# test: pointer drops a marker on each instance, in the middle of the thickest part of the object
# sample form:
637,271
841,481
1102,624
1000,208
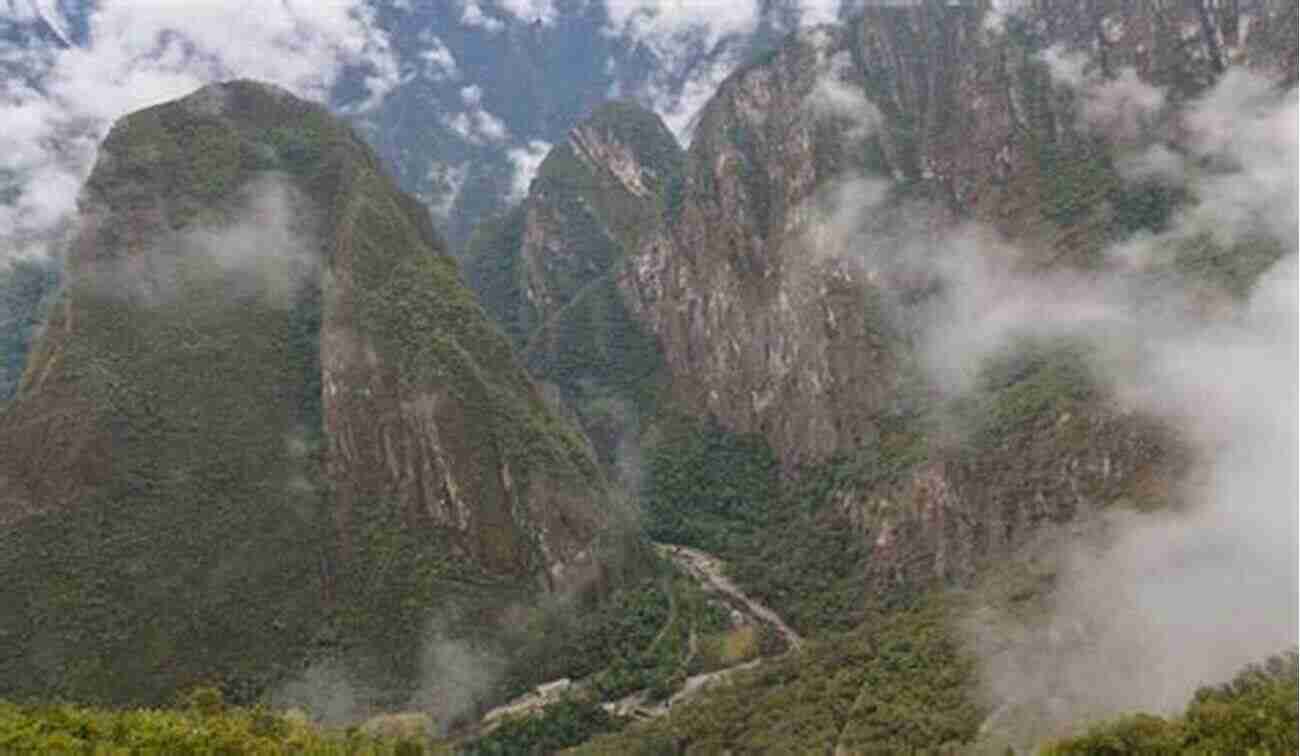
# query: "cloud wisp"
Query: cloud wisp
476,124
1123,107
142,52
1155,605
525,161
695,46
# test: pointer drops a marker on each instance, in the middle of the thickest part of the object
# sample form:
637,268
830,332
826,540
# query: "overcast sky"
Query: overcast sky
141,52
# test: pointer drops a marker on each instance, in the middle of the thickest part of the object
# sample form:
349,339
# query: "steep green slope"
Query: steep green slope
592,197
547,269
267,423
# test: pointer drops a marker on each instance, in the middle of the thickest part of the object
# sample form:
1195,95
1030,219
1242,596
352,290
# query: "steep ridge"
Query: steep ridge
592,196
546,269
771,322
266,421
791,290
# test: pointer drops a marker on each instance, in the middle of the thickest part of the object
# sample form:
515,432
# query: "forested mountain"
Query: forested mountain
262,393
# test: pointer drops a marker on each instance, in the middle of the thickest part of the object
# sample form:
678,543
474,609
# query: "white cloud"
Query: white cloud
1259,143
440,63
679,103
995,18
446,181
46,10
20,10
472,15
1162,603
1145,607
1158,163
812,12
663,25
142,52
526,160
1241,152
834,98
1121,107
471,95
529,11
490,127
476,125
692,42
1066,68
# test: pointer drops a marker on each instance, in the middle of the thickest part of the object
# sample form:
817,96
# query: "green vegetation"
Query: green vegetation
202,725
570,722
1256,712
639,637
655,146
385,596
751,169
1234,268
706,487
662,664
559,300
589,220
1028,384
434,332
606,367
784,540
1075,177
898,683
577,642
562,176
1144,206
605,364
207,544
198,548
494,270
809,560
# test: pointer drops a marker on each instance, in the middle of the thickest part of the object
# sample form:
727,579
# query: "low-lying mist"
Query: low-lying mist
1147,607
455,677
265,247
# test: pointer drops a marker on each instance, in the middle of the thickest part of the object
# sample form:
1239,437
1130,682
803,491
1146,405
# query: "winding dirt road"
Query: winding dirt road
709,571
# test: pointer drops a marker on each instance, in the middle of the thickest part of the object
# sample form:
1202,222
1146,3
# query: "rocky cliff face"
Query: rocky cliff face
770,325
264,415
756,331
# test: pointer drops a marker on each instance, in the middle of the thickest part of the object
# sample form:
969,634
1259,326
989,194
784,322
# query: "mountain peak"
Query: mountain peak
263,396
